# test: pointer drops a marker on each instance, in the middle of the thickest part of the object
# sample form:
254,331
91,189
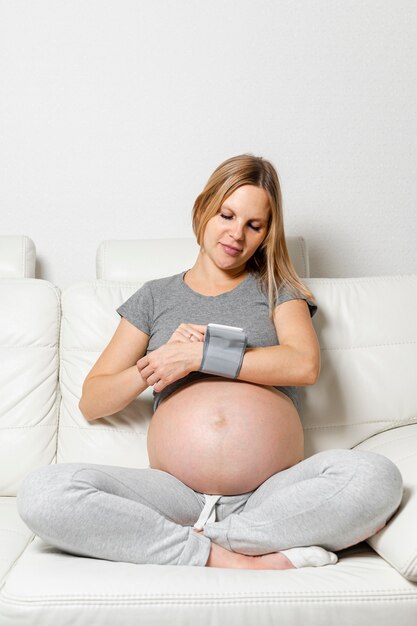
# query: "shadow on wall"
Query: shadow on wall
38,268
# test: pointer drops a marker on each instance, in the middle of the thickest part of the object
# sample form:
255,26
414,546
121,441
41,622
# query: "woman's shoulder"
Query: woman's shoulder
288,292
157,285
285,291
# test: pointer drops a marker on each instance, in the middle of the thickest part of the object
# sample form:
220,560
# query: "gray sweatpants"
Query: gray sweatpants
332,499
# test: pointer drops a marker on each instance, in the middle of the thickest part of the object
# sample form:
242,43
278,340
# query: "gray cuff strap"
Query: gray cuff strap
223,351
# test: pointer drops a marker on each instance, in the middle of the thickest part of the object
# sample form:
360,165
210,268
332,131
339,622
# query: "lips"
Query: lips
230,249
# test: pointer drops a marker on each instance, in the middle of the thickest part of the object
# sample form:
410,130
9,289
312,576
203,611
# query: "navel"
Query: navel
219,419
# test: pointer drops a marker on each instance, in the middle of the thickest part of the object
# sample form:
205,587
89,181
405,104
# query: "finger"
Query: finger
184,329
159,386
182,334
146,373
192,332
188,328
199,328
198,332
153,378
143,362
177,337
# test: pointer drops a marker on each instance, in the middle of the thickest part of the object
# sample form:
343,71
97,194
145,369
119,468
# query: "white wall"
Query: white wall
113,113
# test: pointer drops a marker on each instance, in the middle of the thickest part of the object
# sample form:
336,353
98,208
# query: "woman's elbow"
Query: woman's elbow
84,412
82,409
313,373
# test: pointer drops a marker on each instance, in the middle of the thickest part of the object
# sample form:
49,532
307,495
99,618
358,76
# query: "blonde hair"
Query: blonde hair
271,260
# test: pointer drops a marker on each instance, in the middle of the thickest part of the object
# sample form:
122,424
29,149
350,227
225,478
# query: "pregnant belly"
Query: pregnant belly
222,436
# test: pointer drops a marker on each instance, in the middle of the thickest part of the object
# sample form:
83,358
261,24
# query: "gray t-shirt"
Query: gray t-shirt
161,305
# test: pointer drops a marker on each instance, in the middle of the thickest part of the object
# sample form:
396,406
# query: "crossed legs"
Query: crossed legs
333,499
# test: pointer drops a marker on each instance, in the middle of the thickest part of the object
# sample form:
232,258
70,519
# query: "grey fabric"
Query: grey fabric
161,305
224,349
333,499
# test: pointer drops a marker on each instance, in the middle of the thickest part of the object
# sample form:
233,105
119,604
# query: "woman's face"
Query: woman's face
234,234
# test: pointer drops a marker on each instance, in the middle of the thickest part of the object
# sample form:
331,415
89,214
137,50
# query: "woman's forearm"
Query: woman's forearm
278,365
106,394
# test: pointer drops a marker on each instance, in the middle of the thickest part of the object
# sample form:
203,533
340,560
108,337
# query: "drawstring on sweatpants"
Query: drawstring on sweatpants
208,514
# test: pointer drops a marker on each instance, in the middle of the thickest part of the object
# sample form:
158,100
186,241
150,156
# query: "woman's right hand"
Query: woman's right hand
169,363
188,332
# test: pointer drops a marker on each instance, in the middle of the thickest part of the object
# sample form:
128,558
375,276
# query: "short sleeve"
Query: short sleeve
284,294
138,309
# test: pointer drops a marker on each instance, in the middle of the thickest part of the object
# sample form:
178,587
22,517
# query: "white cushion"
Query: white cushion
397,542
144,259
17,257
48,587
367,329
14,536
89,319
29,335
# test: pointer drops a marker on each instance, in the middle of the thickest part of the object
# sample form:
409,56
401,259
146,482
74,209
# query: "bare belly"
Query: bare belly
222,436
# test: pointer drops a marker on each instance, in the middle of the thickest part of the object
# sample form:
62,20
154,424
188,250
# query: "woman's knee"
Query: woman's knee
387,480
372,494
374,470
375,481
383,480
41,490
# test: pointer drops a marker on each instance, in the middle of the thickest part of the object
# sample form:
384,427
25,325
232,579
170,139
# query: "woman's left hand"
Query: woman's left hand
188,332
170,362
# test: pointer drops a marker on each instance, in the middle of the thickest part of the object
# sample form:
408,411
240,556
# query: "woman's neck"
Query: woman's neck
205,273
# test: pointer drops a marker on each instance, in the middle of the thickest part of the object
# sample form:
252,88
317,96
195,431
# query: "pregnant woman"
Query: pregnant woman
227,484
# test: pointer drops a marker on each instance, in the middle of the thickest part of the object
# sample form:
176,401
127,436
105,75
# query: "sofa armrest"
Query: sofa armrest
397,541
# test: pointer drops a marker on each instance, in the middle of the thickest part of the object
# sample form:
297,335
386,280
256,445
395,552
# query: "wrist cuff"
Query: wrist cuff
223,350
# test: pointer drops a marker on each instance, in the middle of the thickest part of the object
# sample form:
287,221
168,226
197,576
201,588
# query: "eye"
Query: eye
225,217
256,228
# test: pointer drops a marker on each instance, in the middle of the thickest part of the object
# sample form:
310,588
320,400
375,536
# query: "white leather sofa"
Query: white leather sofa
366,398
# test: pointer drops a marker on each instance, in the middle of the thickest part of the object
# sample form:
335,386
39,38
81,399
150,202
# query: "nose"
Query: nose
236,231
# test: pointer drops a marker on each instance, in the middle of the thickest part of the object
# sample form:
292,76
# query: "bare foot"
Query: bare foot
274,560
220,557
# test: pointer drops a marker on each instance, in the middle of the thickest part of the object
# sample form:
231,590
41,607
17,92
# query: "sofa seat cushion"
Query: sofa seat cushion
14,535
50,587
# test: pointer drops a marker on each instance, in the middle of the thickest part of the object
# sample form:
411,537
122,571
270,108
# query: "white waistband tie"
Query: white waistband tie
208,514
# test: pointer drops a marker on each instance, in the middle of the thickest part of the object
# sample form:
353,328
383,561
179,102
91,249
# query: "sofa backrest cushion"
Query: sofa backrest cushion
29,399
89,319
145,259
17,257
367,329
